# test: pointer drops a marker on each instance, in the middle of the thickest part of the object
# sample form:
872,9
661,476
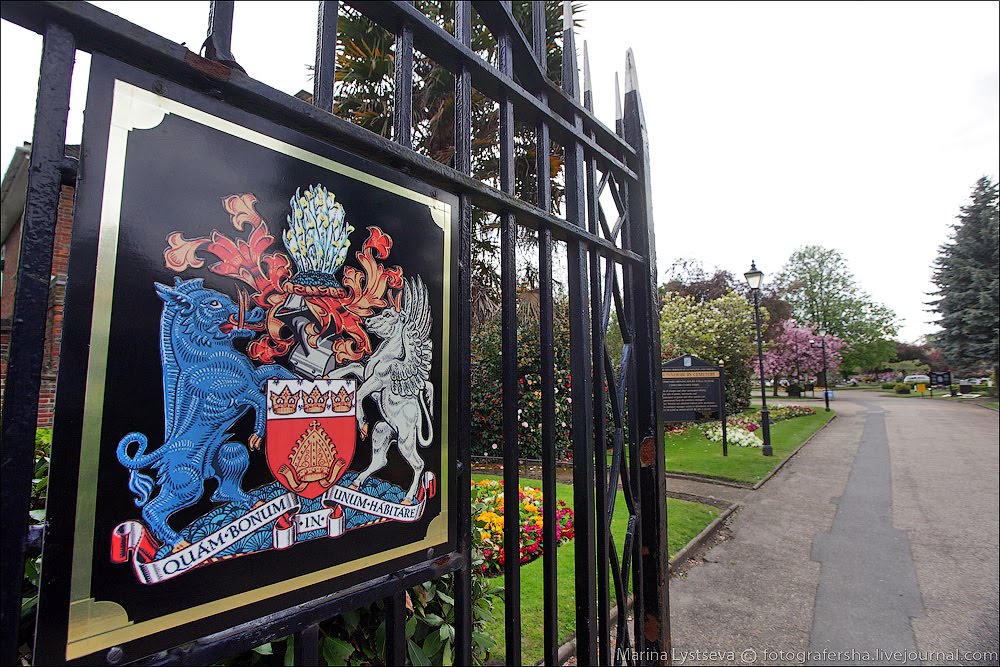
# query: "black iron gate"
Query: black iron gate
611,268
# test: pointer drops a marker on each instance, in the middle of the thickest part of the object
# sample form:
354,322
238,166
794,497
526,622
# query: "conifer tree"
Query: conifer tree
967,274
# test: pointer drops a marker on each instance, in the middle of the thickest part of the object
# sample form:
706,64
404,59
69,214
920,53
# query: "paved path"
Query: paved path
692,489
882,534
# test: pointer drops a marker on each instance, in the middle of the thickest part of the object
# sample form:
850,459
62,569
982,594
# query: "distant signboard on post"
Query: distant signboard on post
942,379
692,390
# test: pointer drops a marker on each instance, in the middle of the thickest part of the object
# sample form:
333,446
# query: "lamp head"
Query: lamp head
822,332
754,276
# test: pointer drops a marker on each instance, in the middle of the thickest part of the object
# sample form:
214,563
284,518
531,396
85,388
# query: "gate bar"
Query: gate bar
395,628
306,648
581,388
402,112
218,44
325,69
402,125
210,649
27,341
498,17
437,44
655,556
597,329
463,164
508,355
98,31
550,569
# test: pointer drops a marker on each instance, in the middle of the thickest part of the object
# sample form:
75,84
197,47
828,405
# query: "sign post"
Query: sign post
694,390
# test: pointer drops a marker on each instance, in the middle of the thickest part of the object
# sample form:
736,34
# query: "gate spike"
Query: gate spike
618,100
586,70
570,74
631,77
632,98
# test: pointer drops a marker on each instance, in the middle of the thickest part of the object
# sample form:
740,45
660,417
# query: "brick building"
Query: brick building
15,181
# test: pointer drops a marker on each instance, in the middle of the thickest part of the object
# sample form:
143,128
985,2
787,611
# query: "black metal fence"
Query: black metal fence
611,268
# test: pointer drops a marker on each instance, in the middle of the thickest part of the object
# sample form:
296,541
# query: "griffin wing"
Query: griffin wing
409,374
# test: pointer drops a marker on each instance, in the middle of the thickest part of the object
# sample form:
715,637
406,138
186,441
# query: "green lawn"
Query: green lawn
994,405
685,521
691,452
941,393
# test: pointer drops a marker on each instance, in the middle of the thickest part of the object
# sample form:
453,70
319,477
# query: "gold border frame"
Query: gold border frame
96,625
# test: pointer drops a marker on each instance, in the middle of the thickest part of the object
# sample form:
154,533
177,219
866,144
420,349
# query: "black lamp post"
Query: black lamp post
754,279
826,377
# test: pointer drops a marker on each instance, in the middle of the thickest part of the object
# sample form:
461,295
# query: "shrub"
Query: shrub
487,387
902,388
889,386
358,637
32,566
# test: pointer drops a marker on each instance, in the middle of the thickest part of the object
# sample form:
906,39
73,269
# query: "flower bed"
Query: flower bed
488,517
741,436
781,413
741,431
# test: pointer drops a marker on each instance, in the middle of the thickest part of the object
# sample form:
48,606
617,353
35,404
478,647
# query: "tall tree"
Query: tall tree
365,97
821,290
797,352
967,274
718,330
688,277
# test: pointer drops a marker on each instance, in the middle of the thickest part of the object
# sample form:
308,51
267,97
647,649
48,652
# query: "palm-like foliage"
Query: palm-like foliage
365,60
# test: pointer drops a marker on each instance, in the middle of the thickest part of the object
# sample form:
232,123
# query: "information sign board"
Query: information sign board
692,390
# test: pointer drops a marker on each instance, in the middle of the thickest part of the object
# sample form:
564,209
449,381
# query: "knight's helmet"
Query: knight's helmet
317,238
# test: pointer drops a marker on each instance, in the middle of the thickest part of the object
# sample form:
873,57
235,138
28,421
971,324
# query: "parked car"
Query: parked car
917,378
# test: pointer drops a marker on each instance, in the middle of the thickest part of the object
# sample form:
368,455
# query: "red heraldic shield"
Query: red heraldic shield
311,433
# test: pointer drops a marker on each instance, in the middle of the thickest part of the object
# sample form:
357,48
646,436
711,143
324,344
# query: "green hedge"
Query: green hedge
902,388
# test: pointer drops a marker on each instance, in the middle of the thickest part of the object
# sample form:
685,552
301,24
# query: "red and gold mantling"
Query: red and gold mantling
338,312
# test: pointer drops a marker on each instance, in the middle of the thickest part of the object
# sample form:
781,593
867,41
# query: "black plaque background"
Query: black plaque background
940,379
175,178
716,392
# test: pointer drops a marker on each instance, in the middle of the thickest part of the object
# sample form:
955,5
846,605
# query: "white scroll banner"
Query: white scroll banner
286,531
332,519
362,502
131,540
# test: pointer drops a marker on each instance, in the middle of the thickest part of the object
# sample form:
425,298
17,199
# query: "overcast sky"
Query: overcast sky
858,126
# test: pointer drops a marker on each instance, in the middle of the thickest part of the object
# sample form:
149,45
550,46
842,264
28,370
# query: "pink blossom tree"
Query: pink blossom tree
796,352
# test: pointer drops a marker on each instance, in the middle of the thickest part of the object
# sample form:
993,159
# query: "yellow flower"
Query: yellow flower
485,535
538,520
530,508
